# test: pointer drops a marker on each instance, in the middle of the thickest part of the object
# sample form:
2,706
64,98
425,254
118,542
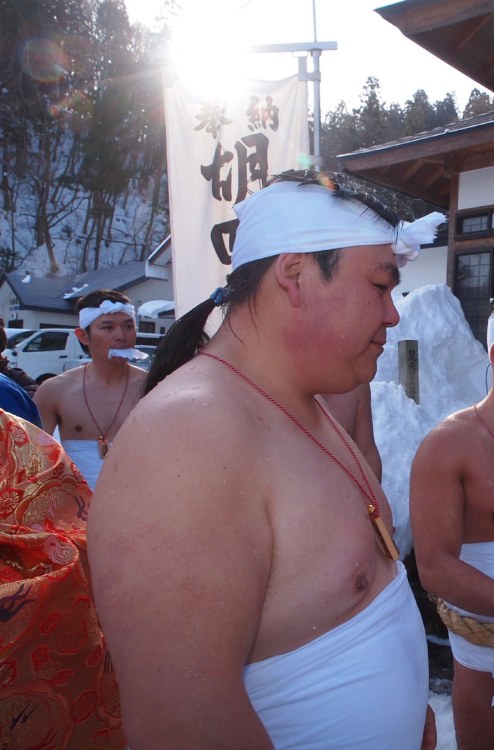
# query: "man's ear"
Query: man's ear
287,269
82,335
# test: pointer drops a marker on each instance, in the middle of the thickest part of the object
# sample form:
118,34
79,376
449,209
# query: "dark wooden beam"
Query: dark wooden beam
434,176
433,146
415,16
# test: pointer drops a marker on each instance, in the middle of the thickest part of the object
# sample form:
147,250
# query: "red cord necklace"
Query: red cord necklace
387,543
103,445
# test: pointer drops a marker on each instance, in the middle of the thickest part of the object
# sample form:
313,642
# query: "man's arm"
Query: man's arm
437,505
354,413
46,399
180,553
364,430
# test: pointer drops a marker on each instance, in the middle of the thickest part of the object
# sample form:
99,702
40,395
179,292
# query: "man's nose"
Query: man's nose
392,315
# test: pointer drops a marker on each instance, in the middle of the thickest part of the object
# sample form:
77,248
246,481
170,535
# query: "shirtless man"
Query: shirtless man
452,517
248,601
354,412
90,403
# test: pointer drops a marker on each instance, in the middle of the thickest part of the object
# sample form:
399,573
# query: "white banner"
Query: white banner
218,153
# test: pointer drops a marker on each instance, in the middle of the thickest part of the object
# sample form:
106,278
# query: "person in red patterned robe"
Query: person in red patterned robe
57,686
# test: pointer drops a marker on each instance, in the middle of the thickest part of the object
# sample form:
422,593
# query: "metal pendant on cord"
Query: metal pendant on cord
103,444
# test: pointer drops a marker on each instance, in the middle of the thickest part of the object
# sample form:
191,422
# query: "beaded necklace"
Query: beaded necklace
387,543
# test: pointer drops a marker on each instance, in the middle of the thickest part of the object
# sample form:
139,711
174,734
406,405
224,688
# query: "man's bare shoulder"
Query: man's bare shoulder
137,374
450,437
193,403
200,441
193,411
59,383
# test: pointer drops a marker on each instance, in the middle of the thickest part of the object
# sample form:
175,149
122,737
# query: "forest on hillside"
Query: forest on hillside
82,133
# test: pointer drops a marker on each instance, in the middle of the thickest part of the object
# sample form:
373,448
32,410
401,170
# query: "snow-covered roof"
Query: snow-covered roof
48,293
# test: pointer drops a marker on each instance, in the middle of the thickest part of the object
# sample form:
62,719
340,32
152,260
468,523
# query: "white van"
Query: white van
16,335
51,351
47,352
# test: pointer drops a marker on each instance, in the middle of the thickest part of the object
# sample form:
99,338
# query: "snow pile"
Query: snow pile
453,372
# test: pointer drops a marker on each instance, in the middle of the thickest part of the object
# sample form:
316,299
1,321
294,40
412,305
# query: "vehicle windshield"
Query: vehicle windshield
16,338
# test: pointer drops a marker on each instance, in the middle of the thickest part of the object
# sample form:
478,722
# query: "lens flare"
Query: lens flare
75,109
44,60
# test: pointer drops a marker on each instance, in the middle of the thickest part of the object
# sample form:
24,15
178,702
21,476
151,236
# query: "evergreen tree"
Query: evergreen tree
338,135
446,110
479,103
370,118
419,114
78,90
393,119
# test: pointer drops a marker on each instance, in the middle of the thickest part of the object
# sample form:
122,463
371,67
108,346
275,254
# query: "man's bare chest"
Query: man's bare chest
91,416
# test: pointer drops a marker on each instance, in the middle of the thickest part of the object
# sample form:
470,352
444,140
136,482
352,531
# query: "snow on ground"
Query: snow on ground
453,371
453,374
441,705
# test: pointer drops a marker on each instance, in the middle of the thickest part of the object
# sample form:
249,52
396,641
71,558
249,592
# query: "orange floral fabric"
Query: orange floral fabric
57,686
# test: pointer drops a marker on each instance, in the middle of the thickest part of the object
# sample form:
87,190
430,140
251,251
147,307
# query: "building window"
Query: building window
473,224
474,288
146,326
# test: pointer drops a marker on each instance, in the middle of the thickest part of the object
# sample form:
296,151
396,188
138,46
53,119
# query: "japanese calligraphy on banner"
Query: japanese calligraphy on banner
219,153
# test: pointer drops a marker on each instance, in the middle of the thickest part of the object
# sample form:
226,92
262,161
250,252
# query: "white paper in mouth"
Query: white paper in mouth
128,353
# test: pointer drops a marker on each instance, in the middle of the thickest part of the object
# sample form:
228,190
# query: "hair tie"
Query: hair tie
220,296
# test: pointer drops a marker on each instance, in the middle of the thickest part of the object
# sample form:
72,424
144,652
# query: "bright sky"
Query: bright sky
367,46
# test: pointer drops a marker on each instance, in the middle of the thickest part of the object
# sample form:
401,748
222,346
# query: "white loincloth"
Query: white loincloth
479,555
361,686
85,455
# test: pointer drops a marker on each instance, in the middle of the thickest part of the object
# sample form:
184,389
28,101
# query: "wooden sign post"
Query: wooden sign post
408,368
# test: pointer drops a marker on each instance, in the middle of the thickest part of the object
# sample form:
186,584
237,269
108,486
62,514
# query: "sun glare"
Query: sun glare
210,48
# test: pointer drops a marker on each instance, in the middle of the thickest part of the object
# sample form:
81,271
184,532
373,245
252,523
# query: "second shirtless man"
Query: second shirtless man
90,403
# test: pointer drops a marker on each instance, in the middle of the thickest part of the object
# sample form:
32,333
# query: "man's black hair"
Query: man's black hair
95,298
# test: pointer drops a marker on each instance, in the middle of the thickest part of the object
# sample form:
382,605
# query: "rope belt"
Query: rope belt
473,631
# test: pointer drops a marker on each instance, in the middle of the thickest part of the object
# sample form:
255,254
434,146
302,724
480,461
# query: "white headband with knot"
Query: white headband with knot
288,217
89,314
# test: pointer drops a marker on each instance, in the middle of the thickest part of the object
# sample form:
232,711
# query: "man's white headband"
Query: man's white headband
89,314
287,217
